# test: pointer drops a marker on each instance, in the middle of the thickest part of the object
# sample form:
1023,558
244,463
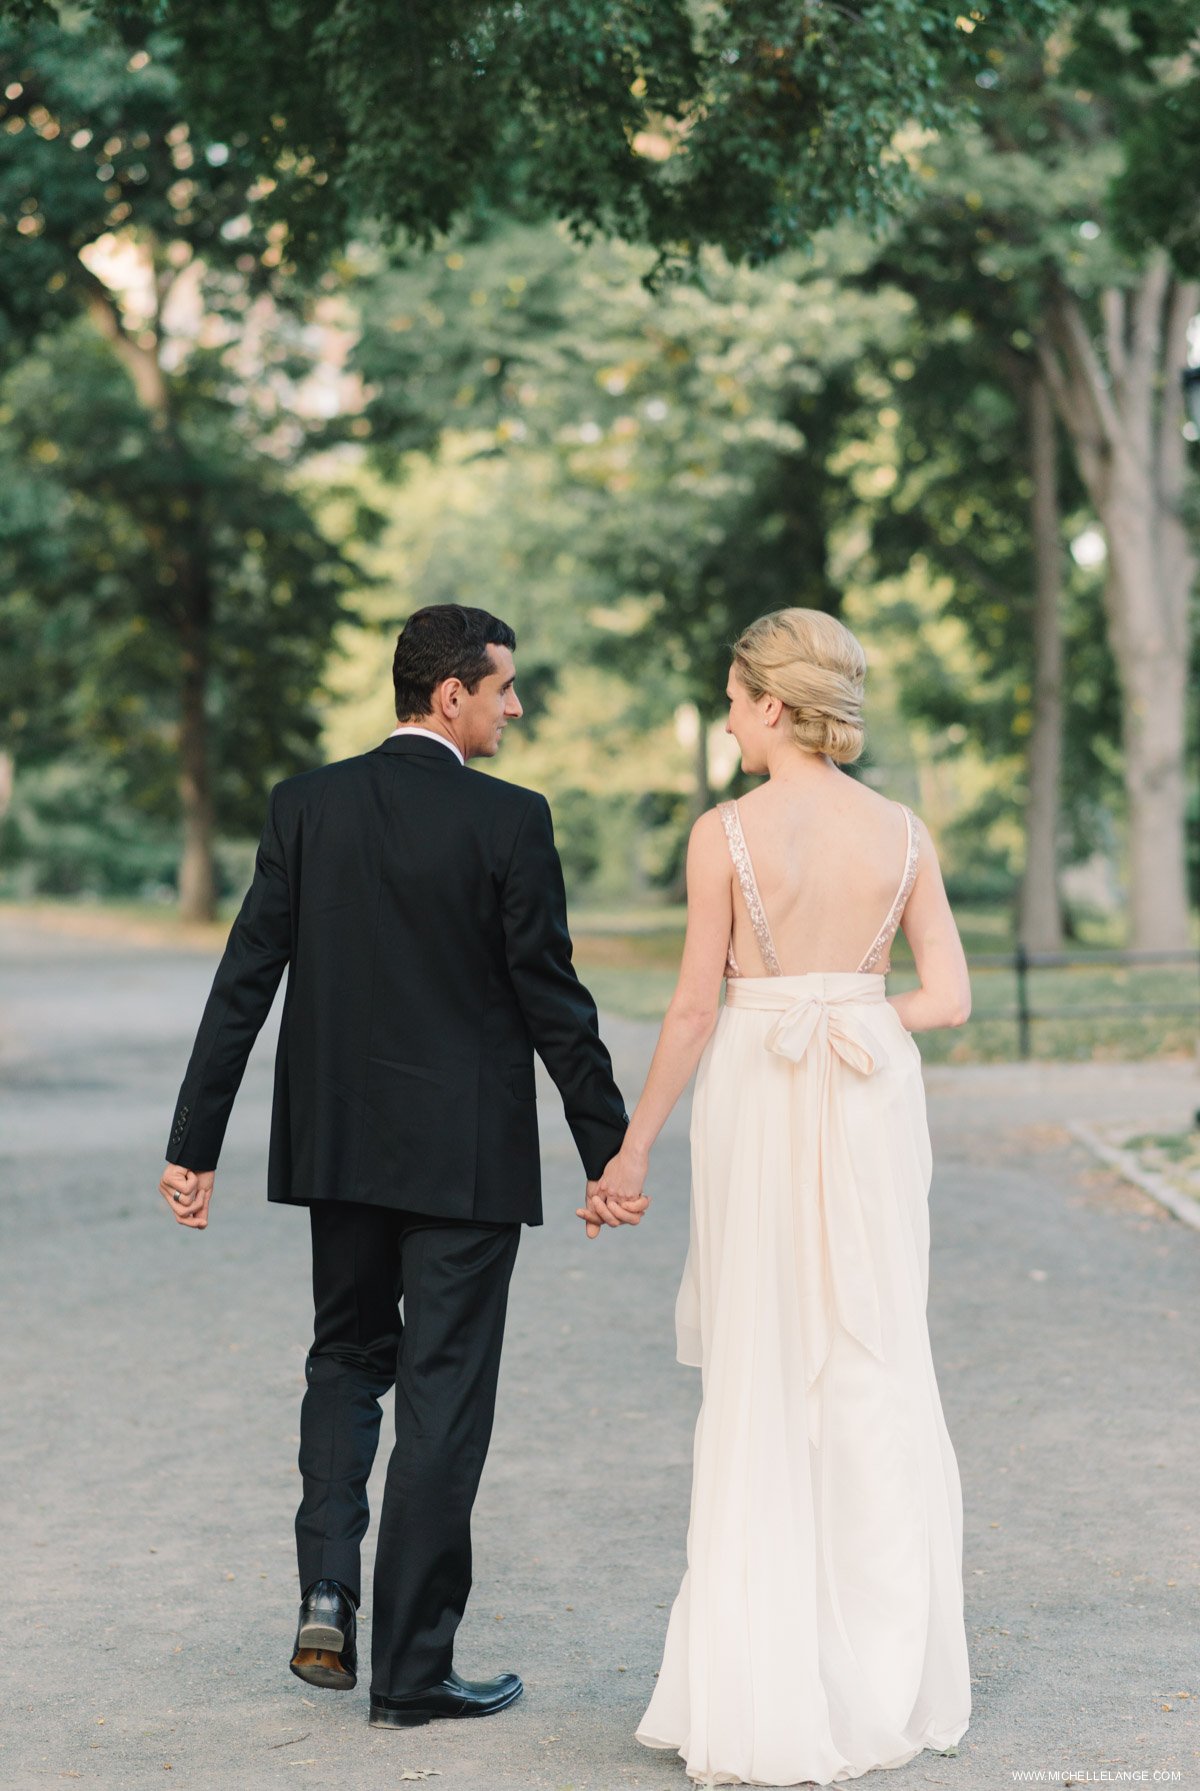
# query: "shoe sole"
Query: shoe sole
323,1668
417,1718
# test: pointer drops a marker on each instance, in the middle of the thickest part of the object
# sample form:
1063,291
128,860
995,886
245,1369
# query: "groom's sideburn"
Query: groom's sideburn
419,909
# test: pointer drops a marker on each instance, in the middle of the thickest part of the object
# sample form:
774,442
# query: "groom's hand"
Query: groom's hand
591,1219
187,1194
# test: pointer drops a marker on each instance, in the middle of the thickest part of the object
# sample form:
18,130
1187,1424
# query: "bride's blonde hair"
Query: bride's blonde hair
816,667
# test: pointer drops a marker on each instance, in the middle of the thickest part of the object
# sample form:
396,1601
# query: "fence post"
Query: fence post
1021,963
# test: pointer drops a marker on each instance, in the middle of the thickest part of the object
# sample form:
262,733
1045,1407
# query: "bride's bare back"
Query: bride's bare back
834,867
835,877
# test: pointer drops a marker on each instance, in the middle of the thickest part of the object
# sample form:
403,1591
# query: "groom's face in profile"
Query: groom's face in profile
485,712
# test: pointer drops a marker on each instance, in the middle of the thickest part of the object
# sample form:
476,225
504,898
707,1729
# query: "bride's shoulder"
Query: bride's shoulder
878,802
709,829
708,843
880,814
923,849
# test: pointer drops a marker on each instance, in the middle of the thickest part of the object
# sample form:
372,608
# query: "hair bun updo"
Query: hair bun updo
816,667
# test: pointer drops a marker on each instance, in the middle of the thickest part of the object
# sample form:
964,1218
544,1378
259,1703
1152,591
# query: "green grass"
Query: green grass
1176,1147
1174,1155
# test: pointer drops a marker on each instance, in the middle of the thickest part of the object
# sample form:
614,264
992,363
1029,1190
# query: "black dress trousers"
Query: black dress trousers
452,1276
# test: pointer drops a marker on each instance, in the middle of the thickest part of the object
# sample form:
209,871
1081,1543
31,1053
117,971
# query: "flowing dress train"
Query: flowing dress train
818,1631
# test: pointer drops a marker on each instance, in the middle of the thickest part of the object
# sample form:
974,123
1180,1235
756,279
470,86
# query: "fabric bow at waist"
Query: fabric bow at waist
825,1022
824,1015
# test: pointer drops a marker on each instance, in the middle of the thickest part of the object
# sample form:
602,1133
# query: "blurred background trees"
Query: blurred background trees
1033,227
630,323
168,599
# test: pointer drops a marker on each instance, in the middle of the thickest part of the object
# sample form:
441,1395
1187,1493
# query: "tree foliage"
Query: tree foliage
638,471
663,121
958,513
690,437
1029,234
89,629
166,598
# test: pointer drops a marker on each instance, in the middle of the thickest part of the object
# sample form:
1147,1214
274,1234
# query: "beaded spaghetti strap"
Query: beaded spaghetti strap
883,938
731,820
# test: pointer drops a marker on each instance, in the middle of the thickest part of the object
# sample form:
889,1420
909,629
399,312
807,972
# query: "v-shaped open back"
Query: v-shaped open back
731,820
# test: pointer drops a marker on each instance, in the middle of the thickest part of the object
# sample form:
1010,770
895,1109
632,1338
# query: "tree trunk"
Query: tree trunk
1152,660
188,561
699,798
197,867
1040,912
701,791
1123,410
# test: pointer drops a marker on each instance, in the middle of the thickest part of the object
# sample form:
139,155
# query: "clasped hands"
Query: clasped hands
617,1198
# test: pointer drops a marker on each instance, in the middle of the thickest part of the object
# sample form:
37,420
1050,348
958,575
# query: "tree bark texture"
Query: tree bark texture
1040,912
1120,400
185,555
197,868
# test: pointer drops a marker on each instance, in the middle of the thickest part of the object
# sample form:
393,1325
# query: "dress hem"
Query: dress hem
933,1745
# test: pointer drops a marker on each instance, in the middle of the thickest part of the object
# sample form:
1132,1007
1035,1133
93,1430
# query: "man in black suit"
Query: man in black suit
419,909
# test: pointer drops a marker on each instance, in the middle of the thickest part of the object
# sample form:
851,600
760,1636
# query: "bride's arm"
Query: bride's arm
944,995
692,1012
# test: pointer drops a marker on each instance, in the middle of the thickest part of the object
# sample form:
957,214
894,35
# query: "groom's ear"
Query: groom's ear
447,697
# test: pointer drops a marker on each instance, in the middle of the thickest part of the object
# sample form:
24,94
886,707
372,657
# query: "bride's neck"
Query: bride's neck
792,765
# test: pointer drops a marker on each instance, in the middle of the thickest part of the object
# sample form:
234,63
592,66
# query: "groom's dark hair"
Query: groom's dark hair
445,640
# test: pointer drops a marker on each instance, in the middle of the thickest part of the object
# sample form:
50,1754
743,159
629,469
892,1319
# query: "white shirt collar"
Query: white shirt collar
428,734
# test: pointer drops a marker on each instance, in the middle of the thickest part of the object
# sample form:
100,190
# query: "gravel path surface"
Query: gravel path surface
152,1380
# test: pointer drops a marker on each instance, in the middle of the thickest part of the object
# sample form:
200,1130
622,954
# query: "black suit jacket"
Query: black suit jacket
419,909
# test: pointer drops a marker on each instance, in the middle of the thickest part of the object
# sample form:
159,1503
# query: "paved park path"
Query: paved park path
151,1386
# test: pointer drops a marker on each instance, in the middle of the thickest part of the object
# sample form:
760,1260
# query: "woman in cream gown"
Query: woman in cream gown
818,1632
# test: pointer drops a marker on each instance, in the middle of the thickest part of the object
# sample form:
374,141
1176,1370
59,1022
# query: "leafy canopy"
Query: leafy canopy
672,122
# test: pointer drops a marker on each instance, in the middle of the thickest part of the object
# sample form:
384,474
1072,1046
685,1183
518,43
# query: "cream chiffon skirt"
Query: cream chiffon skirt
818,1631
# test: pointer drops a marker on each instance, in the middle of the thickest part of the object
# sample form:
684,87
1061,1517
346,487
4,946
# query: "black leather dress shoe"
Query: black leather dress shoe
326,1653
453,1697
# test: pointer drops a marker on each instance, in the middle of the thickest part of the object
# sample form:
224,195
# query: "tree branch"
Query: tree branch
1145,361
1078,416
140,363
1088,382
1020,370
1148,320
1113,312
1183,302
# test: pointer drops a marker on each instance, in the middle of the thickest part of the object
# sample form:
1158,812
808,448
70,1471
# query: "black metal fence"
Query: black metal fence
1021,962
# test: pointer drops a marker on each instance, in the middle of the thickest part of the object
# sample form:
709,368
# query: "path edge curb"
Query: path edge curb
1181,1205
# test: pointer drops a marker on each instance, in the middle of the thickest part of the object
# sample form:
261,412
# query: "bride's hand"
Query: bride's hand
598,1211
622,1202
624,1178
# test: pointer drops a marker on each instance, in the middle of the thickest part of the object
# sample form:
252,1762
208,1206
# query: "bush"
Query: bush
70,832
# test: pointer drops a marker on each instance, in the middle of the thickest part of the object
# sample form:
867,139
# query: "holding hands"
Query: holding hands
617,1198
